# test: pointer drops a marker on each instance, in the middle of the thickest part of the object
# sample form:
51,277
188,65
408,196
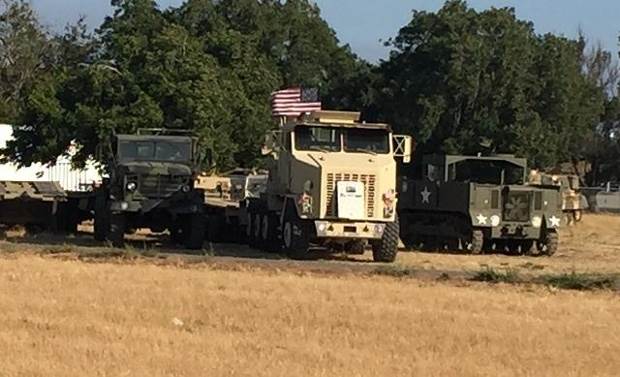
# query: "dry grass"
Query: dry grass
68,318
593,246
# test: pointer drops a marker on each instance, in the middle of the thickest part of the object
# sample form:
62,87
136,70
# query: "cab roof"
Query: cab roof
338,119
171,138
444,159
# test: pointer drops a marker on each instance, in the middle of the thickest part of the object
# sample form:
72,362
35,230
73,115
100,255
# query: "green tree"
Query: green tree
464,81
26,53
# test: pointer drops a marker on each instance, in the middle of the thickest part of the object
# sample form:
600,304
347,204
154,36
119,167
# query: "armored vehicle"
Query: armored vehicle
477,204
151,185
332,183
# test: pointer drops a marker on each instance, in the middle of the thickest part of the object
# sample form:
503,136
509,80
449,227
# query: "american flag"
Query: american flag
293,102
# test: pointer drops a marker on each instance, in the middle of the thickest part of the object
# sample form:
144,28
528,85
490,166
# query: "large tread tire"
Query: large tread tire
577,215
102,221
477,242
295,236
386,249
117,229
194,238
215,231
269,233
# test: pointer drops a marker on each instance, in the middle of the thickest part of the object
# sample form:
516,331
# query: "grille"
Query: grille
517,207
369,190
158,186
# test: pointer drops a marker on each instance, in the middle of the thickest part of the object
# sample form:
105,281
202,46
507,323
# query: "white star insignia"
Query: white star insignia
425,195
482,220
555,221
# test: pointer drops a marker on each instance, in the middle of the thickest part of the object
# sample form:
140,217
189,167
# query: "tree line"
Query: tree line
458,80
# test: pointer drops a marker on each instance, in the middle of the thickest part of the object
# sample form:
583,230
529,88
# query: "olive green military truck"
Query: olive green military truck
332,184
477,204
151,185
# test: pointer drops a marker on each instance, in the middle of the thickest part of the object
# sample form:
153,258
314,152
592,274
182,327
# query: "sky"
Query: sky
363,24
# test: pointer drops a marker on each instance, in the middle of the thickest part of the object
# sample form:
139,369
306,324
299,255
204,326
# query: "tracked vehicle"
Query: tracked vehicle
479,204
332,184
151,185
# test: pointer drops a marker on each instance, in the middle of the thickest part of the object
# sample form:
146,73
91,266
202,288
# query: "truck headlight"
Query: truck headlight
495,220
186,188
131,186
388,203
536,221
305,203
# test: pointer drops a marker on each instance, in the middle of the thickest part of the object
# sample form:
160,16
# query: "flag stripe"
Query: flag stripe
293,102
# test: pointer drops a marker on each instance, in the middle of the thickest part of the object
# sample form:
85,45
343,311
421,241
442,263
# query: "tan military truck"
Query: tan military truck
573,202
225,202
332,184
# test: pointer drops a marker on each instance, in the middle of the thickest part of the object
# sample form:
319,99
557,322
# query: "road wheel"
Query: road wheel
548,245
295,236
385,250
117,229
477,242
193,238
577,215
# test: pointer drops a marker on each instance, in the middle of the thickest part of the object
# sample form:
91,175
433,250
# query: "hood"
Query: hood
157,168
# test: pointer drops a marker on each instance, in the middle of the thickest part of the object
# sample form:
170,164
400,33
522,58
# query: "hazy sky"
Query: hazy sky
362,23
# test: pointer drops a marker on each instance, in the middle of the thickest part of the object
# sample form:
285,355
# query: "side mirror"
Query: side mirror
403,147
271,144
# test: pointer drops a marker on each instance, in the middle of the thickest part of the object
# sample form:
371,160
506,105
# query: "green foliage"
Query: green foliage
491,275
207,66
26,53
583,282
459,77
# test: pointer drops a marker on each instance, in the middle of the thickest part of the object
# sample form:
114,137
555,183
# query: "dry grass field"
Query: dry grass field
60,316
69,318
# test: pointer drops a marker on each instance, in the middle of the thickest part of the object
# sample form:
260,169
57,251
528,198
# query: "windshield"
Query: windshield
155,151
360,140
487,171
317,138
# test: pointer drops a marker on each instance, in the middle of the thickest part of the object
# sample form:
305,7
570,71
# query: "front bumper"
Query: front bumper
144,206
334,229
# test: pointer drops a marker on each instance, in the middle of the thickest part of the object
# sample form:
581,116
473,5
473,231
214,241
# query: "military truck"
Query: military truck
225,202
151,185
478,204
332,184
573,202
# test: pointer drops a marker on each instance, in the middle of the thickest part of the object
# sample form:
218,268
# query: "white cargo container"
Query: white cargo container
62,172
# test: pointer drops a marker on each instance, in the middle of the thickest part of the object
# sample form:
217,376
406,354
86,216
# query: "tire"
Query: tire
215,231
194,237
549,244
577,215
102,219
295,236
477,242
176,233
385,250
253,228
117,229
269,233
